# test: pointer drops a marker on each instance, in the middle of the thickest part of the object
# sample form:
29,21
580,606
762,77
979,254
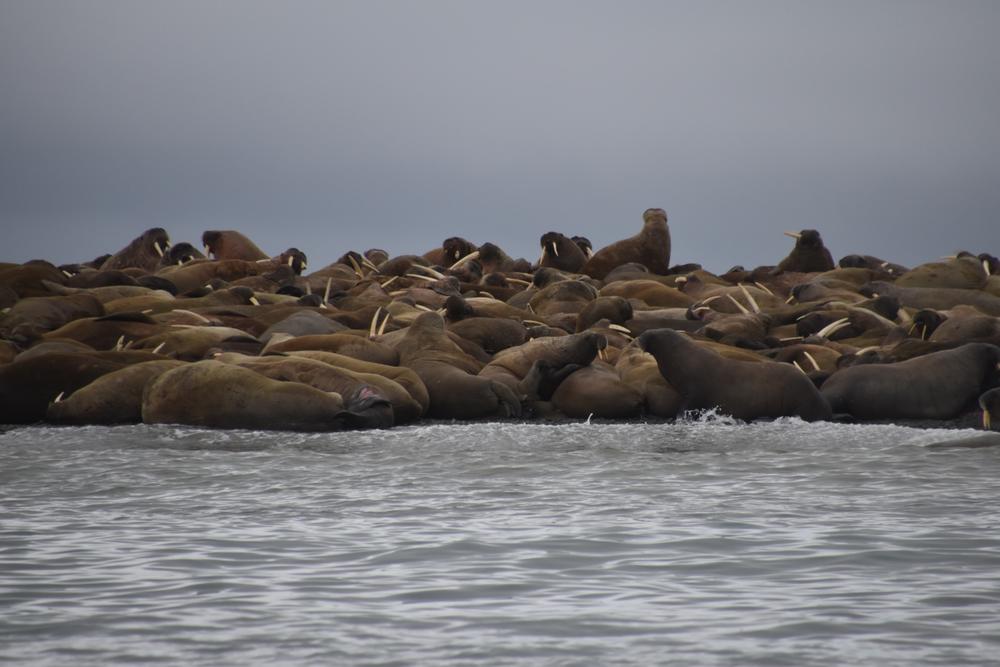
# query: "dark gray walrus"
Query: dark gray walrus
939,385
743,389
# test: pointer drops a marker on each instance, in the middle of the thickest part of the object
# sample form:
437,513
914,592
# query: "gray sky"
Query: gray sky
336,125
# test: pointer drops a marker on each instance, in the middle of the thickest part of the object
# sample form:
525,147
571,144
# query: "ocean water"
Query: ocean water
704,542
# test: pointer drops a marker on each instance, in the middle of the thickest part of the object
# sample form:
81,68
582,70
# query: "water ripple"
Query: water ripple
708,541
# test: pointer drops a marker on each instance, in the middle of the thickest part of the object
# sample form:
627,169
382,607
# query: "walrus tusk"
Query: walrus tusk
374,324
357,267
428,270
420,306
602,355
389,281
458,254
63,393
904,316
326,292
180,262
193,314
794,235
680,279
812,360
986,267
67,273
305,266
909,331
986,418
752,301
923,332
518,281
399,292
541,258
381,329
833,326
309,288
555,250
157,248
417,276
789,339
791,297
528,308
468,258
208,251
487,294
710,299
121,341
796,364
156,350
618,327
534,323
763,288
254,301
738,305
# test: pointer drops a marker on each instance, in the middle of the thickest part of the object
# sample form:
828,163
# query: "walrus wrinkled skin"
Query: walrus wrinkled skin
217,395
939,385
745,390
650,247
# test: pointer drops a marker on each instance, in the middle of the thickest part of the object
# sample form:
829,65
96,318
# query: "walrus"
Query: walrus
341,343
989,403
562,253
449,375
217,395
366,406
452,249
650,247
936,298
966,272
808,256
939,385
180,254
597,390
230,244
113,398
27,386
512,365
29,318
745,390
143,253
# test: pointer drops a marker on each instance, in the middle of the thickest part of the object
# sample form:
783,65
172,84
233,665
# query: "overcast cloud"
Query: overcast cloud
346,125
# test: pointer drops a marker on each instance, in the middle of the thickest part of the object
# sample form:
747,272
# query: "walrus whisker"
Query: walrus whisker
462,262
833,326
739,305
763,287
812,359
752,301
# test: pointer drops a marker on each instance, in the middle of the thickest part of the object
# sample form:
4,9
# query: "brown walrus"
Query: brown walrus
650,247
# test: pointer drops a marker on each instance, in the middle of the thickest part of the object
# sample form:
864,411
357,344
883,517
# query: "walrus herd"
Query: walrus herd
233,337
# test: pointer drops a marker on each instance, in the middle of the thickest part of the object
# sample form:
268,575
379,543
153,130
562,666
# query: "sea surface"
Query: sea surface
702,542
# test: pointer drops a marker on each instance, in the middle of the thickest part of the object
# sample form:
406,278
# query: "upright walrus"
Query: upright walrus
808,256
743,389
650,247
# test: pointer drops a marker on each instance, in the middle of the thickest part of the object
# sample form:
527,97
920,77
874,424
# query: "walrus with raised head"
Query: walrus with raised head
230,244
562,253
743,389
143,253
650,247
808,256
